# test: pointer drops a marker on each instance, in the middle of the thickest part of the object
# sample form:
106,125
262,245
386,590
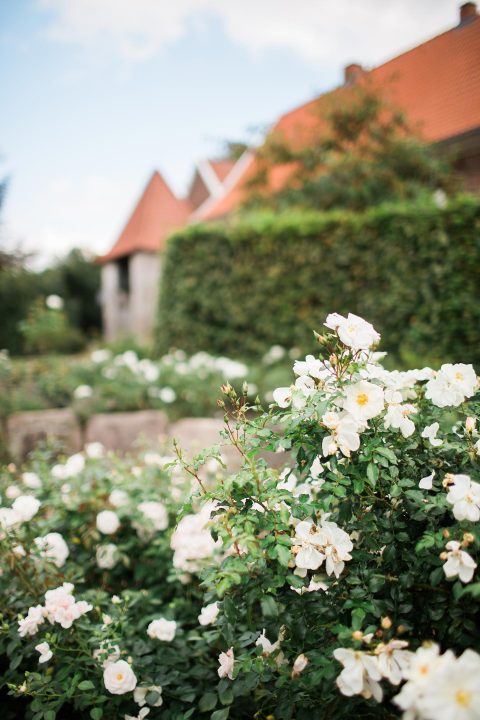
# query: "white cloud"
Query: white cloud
326,32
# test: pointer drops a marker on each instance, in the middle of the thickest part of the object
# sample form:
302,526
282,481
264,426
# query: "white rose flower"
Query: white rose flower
162,629
82,392
426,483
360,674
156,513
95,450
451,385
167,395
31,480
267,646
464,495
316,544
45,652
106,556
311,366
53,547
393,659
459,563
364,400
140,693
61,607
26,506
454,690
301,662
9,518
398,417
226,661
209,614
107,522
118,498
54,302
353,331
74,465
430,433
119,678
30,624
316,468
100,356
282,396
12,492
141,714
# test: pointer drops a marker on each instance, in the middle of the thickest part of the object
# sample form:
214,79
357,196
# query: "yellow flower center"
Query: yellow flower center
459,376
362,399
423,669
119,677
463,698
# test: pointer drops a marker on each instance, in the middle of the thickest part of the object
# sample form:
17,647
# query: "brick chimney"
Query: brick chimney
353,71
468,12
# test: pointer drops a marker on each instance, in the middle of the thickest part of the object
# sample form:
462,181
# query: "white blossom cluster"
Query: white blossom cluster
436,686
192,541
60,607
371,392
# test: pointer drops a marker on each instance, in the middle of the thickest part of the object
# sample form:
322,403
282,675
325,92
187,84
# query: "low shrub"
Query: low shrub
345,585
182,386
241,287
47,330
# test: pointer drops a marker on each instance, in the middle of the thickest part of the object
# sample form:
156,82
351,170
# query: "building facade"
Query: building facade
436,84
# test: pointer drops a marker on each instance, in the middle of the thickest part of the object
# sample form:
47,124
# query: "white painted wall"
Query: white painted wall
144,274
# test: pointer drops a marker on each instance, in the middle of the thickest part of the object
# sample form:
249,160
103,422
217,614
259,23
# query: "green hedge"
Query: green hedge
413,270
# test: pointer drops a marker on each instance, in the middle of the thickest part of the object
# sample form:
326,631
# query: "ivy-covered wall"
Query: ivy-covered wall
413,270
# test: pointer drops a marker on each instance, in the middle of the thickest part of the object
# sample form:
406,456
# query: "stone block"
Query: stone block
123,431
26,429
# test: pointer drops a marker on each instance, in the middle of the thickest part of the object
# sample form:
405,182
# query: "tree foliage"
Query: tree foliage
356,151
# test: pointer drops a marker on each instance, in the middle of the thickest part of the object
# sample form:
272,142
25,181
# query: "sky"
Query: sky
96,94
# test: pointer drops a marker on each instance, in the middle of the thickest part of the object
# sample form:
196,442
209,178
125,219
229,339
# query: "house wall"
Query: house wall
114,302
144,284
131,313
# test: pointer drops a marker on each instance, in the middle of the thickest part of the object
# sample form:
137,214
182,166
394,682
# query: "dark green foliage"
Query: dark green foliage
75,279
411,269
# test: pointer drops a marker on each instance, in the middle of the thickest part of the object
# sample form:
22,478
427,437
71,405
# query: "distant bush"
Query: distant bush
412,268
47,330
74,278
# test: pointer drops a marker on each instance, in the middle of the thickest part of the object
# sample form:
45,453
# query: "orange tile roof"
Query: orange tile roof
222,167
156,214
436,84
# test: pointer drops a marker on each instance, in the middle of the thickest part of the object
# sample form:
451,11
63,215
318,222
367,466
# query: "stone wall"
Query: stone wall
120,432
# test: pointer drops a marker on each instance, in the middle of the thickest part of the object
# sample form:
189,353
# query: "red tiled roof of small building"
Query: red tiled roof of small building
222,167
156,215
436,84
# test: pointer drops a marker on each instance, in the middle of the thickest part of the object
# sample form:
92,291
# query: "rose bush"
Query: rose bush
344,584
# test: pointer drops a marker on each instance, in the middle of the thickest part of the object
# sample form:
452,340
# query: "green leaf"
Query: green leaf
269,606
50,715
372,473
86,685
387,453
207,702
96,713
358,616
358,485
283,554
220,714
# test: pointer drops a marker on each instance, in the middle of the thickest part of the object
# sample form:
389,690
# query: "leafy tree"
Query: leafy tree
355,151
